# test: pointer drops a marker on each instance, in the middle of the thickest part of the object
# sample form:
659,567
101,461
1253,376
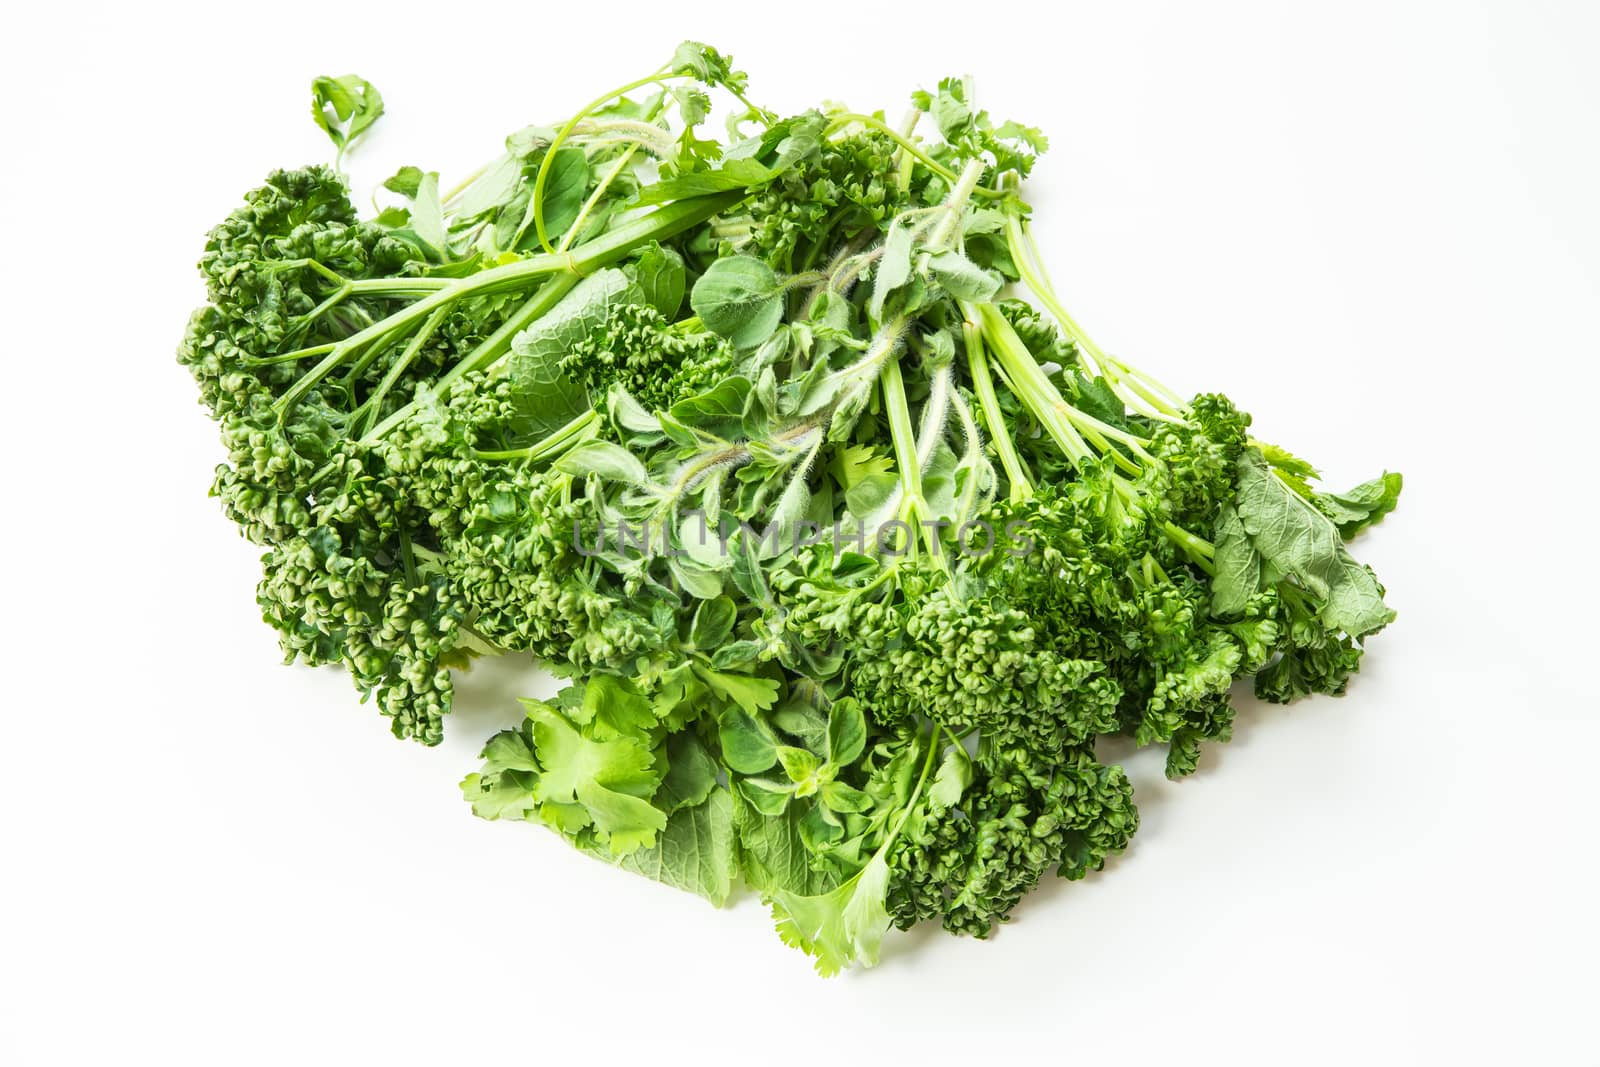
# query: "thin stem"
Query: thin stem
569,267
1100,432
640,133
1018,246
370,355
935,412
1031,385
1024,250
907,162
1200,552
537,196
898,413
1140,382
843,119
303,322
594,197
965,185
974,454
490,348
579,429
989,401
397,286
374,403
461,186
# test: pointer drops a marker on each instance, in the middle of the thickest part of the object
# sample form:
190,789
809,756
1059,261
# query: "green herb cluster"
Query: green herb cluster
848,557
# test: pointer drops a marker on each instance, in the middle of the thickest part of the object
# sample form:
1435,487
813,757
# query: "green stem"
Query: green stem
397,286
906,161
898,412
843,119
374,403
1200,551
489,349
954,206
1163,402
989,401
543,176
594,197
1032,276
604,184
1031,385
666,221
579,429
370,356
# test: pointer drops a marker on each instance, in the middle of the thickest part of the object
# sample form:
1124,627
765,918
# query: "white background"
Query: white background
1374,224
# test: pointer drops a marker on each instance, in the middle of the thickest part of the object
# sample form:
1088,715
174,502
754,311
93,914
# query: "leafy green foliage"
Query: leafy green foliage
740,298
847,558
345,108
